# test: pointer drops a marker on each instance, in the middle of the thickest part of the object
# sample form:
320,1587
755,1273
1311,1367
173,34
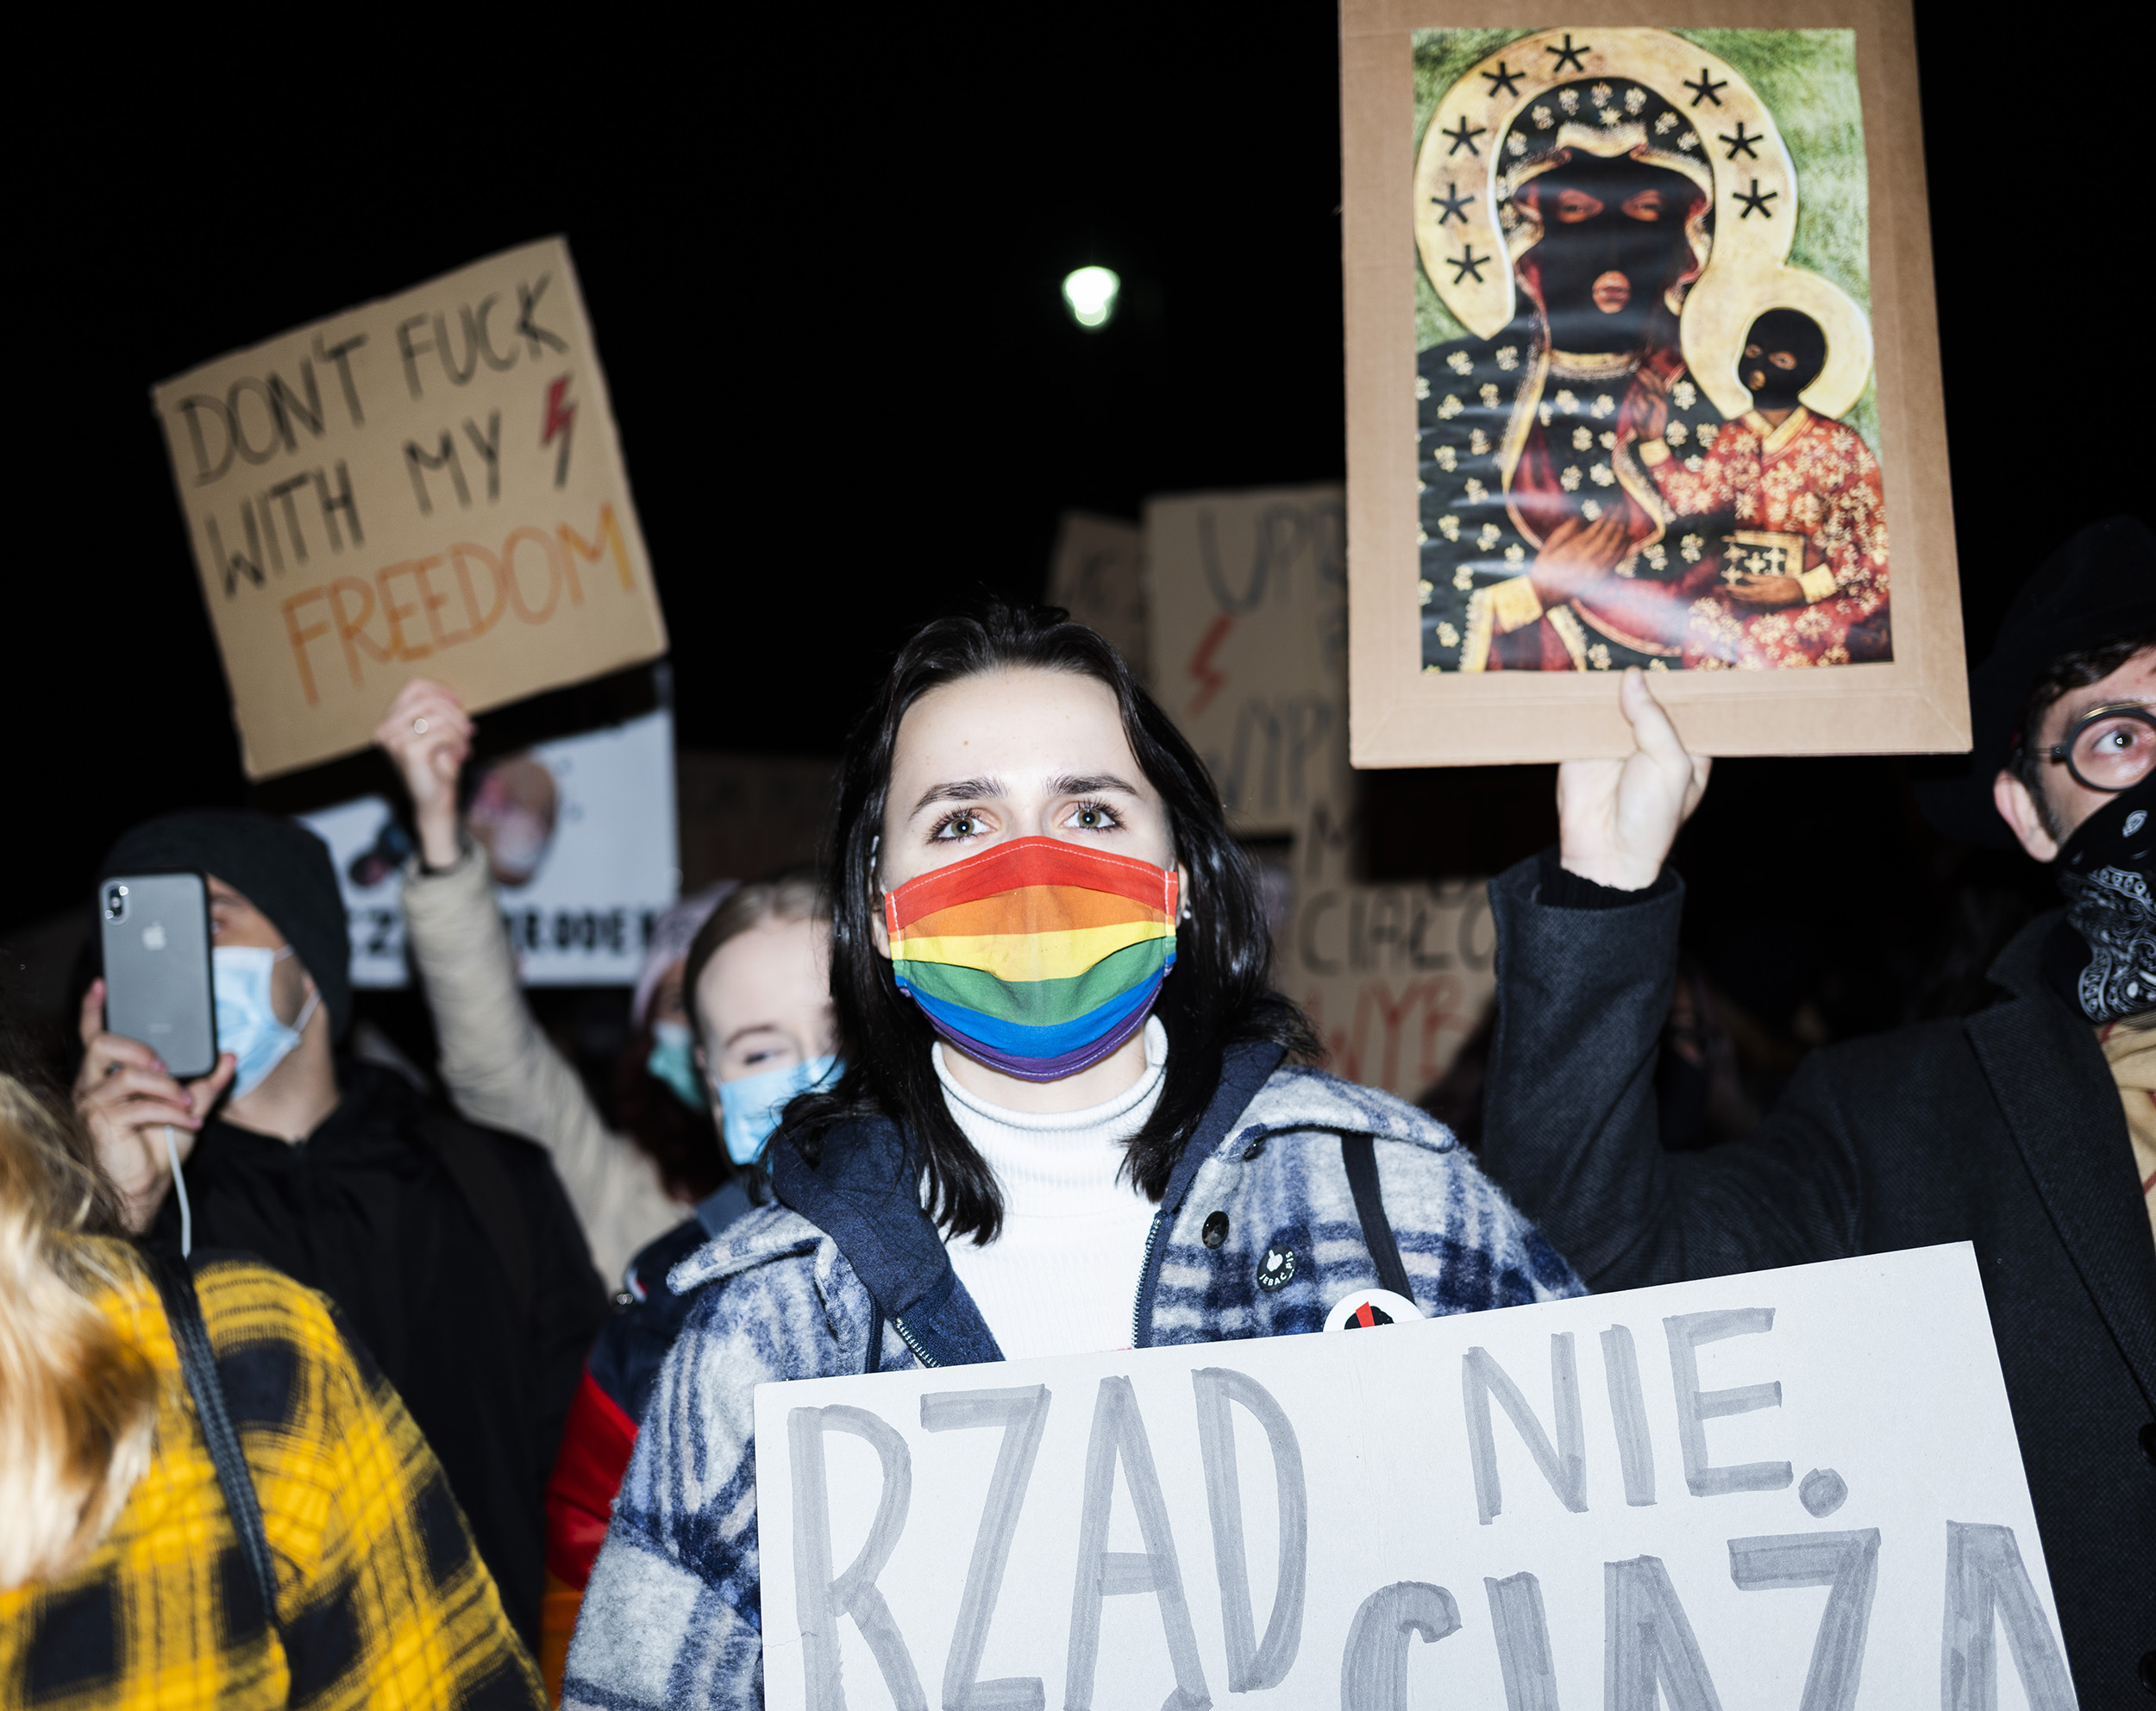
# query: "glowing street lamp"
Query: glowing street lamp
1090,293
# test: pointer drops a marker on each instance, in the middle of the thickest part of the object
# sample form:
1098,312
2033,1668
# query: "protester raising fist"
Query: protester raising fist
427,734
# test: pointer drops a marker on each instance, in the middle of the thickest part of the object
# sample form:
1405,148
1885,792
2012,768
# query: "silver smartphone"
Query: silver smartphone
159,988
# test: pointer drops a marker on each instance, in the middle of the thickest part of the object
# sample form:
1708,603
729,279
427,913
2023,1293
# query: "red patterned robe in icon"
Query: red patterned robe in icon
1811,480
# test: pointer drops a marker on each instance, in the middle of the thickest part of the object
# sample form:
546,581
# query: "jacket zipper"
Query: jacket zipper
1145,1270
913,1343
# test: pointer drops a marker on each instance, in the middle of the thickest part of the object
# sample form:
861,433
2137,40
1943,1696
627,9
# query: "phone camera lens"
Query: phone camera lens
115,902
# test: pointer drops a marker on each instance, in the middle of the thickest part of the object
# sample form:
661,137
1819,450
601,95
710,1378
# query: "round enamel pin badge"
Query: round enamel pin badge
1276,1268
1360,1309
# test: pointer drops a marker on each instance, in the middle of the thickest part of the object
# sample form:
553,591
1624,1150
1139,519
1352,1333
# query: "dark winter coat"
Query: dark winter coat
2003,1130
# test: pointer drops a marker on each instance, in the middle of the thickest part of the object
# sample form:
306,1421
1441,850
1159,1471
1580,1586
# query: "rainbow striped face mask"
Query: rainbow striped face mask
1038,957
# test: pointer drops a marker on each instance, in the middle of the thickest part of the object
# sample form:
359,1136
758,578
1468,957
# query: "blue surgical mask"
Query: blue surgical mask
752,1106
673,1060
247,1021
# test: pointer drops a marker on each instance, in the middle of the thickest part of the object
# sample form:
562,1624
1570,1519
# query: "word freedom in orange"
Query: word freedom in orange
429,605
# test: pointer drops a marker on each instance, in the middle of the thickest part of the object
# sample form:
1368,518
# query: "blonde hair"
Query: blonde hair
77,1400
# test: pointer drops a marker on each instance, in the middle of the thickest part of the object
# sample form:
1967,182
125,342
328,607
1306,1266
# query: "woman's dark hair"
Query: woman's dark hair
1217,994
795,894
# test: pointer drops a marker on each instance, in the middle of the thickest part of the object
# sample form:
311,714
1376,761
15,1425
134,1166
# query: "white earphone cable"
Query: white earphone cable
179,1188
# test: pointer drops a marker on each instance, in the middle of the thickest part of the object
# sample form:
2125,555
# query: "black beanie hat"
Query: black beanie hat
276,864
2099,587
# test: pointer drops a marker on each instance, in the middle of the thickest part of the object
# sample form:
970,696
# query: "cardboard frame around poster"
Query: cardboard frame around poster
1403,715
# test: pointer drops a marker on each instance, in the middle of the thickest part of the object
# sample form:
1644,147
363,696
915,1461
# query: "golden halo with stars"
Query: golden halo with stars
1459,182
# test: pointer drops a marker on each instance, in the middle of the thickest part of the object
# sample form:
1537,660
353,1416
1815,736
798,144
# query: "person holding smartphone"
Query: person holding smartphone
1067,1122
450,1251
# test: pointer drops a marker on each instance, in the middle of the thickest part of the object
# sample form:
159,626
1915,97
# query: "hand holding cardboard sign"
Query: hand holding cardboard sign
427,734
1616,819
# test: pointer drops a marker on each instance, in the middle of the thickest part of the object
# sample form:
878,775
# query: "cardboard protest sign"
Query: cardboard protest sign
433,477
1247,595
1248,610
579,834
1393,977
1097,575
1784,1488
1643,371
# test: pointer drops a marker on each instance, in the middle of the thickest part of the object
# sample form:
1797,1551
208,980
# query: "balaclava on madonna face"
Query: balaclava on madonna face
1612,242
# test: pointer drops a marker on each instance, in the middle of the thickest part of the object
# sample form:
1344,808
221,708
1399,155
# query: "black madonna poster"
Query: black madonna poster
1649,422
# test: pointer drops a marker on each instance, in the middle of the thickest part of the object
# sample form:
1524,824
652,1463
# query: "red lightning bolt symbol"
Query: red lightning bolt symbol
561,418
1210,678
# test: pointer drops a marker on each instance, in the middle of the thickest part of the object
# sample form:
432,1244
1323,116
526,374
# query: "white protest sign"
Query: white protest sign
1246,594
432,477
589,818
1797,1490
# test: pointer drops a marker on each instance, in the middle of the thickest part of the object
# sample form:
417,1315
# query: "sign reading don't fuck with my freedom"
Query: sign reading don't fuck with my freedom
1795,1489
427,485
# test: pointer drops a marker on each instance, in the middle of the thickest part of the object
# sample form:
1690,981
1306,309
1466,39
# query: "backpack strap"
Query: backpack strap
198,1366
469,1157
1358,1153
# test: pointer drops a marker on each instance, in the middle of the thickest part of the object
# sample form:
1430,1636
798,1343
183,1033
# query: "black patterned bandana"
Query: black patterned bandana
2107,965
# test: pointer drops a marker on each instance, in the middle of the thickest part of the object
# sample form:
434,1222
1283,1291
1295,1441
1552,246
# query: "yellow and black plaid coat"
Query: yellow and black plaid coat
382,1598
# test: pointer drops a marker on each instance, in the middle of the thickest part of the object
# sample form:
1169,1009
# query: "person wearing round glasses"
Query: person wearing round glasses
2028,1128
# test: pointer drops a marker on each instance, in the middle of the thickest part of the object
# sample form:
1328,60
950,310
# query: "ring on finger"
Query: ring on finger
419,727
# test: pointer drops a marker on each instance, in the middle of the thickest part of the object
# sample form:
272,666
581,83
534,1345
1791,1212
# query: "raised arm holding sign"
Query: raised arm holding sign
2022,1129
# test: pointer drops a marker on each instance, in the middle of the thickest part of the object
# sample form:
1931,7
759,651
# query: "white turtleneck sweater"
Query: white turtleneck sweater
1062,1277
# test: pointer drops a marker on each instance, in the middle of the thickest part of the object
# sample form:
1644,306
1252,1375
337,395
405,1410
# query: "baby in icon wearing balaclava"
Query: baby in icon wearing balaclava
1804,573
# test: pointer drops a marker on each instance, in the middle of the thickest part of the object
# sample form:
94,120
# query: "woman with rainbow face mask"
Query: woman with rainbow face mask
1070,1119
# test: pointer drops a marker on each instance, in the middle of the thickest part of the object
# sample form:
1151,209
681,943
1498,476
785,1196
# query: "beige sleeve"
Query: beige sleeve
501,1070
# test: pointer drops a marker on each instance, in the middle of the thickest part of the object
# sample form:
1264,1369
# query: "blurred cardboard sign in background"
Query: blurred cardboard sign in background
1394,977
1247,605
581,835
1247,594
428,484
1097,573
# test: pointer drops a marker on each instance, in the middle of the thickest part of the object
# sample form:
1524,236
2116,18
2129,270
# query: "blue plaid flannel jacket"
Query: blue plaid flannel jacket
673,1616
